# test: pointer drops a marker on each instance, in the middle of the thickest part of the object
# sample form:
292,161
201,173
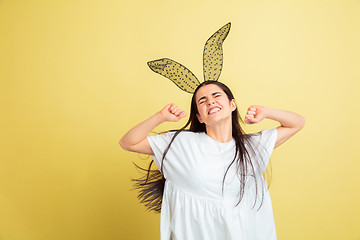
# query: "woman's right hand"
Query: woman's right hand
135,139
172,113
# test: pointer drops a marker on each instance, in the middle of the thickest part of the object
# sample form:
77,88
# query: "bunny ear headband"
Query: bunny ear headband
212,63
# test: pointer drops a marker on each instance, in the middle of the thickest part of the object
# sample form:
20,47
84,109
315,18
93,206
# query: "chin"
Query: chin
217,120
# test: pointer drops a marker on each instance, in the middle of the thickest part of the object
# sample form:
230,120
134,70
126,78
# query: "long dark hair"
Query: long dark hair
151,185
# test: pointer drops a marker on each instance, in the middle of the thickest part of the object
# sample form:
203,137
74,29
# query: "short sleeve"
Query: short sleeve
158,144
267,139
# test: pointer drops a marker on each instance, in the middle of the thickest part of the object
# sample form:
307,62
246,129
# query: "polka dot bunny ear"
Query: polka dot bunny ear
176,72
212,63
213,54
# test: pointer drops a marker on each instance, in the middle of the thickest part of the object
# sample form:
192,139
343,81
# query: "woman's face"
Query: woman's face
213,105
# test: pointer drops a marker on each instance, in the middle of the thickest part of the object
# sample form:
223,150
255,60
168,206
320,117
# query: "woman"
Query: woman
214,187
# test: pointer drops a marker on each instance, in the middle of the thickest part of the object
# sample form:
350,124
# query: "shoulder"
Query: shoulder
184,133
179,135
263,133
175,140
190,133
187,136
263,137
268,133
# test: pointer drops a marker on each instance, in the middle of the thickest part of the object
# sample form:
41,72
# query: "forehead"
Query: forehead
207,90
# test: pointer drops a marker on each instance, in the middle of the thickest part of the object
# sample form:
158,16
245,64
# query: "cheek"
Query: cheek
200,109
224,102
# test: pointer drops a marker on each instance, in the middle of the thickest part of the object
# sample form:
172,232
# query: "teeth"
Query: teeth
214,110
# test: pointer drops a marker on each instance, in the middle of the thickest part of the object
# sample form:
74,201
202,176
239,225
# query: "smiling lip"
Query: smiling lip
212,109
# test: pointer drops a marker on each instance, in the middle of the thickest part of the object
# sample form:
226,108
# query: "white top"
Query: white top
193,206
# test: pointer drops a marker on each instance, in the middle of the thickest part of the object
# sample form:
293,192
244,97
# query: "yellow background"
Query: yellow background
74,79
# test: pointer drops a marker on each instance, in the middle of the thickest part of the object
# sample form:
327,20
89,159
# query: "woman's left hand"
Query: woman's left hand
255,114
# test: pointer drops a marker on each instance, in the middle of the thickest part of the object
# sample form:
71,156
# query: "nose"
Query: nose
211,102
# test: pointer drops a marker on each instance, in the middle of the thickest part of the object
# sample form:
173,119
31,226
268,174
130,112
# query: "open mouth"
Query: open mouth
214,110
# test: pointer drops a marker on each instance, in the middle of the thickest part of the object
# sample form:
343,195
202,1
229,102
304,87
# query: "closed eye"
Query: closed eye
203,99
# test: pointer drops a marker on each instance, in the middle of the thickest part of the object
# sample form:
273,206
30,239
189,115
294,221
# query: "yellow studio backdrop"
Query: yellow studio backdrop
74,80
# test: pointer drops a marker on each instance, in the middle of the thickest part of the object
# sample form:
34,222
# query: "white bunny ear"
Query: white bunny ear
213,54
176,72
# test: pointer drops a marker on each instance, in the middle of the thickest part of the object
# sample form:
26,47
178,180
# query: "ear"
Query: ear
233,105
199,118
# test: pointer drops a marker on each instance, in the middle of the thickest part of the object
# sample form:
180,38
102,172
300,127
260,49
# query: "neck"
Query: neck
221,132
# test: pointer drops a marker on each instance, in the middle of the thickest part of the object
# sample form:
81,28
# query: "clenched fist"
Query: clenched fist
172,113
255,114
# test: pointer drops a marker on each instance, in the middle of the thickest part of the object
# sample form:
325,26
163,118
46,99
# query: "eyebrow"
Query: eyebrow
211,94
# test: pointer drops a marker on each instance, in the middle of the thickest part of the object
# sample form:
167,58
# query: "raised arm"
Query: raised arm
135,139
290,122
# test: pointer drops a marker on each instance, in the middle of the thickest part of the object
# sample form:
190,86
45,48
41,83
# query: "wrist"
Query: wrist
159,118
267,112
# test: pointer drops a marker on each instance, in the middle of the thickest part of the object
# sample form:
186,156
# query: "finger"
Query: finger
167,107
247,121
177,113
172,107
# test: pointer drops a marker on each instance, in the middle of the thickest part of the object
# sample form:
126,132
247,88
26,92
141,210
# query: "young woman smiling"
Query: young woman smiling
209,184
